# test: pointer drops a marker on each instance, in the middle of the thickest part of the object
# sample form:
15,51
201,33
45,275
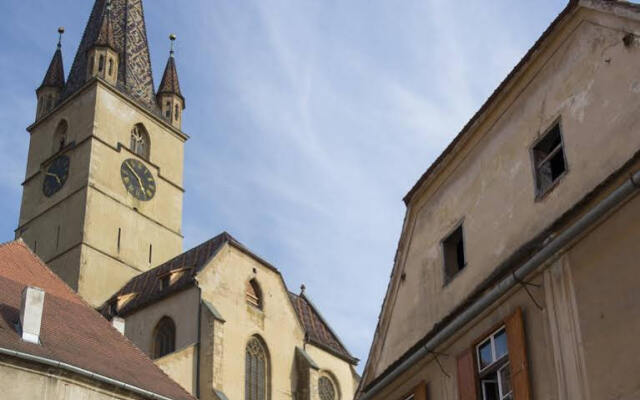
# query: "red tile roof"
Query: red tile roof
72,332
55,73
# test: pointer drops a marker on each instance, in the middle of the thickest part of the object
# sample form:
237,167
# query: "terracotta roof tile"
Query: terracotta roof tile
72,332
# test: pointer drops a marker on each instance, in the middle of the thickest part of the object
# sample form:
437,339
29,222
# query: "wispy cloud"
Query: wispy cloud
309,120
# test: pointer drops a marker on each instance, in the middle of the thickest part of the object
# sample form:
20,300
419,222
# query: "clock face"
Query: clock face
138,179
55,176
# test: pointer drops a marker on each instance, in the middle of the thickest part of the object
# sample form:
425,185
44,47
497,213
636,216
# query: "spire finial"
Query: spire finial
302,289
60,32
172,37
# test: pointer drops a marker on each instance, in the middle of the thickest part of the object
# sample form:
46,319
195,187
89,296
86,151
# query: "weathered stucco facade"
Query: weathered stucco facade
580,314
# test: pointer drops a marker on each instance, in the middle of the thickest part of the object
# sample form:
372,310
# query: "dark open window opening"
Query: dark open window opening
164,338
454,256
549,160
254,293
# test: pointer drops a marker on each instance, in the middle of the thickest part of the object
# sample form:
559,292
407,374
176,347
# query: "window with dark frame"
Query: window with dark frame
492,356
164,338
549,160
454,255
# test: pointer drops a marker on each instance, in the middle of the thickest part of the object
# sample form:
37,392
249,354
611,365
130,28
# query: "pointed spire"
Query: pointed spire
170,83
55,73
128,34
105,33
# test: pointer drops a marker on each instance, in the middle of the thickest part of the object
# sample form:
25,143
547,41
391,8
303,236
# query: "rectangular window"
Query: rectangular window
454,256
549,160
493,367
496,366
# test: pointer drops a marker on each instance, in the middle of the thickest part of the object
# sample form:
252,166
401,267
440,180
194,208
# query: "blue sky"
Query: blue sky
310,120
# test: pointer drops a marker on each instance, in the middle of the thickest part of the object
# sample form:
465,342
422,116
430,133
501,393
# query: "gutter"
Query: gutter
589,219
82,372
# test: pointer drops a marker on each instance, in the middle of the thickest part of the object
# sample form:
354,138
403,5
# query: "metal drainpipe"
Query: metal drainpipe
586,221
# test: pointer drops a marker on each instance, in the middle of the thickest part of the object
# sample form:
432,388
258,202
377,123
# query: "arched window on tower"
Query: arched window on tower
140,143
256,376
167,113
110,66
101,63
177,113
254,293
164,338
60,136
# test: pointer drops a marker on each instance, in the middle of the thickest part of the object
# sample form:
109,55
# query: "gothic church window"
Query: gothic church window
164,338
254,294
140,144
326,389
256,371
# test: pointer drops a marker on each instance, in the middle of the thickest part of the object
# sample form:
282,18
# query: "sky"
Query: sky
309,120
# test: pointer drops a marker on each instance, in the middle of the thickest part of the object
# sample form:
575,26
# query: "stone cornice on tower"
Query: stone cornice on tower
129,37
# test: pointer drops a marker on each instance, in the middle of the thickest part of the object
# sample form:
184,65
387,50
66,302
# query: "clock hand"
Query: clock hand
55,176
134,174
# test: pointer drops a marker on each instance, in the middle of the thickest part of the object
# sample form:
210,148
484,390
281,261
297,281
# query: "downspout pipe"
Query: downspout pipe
624,191
83,372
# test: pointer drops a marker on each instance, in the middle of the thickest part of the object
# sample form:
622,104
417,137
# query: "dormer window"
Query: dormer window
165,281
254,294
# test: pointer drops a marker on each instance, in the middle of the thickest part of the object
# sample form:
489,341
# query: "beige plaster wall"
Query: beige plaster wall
20,381
589,79
606,277
539,351
223,284
182,307
340,371
181,367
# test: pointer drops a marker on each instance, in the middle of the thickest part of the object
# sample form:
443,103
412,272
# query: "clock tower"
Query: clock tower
102,196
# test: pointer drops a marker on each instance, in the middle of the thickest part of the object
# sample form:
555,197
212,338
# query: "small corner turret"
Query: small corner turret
169,97
103,56
48,93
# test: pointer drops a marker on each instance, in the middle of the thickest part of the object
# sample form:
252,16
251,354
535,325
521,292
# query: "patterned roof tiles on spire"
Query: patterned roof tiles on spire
55,74
170,83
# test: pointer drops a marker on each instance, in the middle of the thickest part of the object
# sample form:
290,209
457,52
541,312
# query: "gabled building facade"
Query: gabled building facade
516,272
220,321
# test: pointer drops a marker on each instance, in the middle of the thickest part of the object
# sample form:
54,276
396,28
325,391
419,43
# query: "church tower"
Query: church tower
102,197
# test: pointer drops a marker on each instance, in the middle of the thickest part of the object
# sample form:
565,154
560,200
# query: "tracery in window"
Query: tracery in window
164,338
256,371
140,143
326,389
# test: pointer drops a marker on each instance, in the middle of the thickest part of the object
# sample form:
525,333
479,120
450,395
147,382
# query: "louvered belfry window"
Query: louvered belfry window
254,294
256,371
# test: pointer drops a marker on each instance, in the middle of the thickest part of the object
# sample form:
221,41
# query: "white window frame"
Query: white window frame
494,360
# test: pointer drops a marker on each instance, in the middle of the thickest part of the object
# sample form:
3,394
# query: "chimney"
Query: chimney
31,314
118,323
